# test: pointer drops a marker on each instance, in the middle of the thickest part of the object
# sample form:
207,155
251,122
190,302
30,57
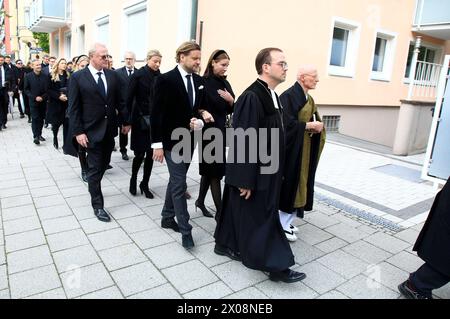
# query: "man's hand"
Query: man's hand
196,124
63,98
83,140
158,155
126,129
39,99
246,193
314,127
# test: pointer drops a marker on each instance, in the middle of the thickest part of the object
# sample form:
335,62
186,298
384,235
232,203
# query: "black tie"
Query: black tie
101,85
130,72
190,90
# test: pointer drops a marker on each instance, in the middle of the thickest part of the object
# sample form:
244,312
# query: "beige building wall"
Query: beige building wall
304,30
168,25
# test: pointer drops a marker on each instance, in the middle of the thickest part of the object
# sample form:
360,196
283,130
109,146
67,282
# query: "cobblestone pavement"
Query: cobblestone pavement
51,246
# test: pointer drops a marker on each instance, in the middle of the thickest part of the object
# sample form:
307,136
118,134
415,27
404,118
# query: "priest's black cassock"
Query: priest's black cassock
252,227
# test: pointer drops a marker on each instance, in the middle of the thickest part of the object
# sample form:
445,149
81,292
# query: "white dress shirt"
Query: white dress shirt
94,72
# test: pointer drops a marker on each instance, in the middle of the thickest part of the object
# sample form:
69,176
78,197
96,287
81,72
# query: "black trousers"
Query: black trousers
426,279
176,204
4,101
37,118
123,141
99,157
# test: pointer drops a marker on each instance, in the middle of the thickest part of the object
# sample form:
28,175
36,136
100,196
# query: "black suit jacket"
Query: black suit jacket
171,107
89,112
124,84
36,85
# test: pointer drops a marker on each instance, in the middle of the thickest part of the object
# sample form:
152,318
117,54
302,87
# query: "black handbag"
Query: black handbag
144,122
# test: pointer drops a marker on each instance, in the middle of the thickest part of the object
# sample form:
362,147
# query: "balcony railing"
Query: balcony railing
49,15
426,82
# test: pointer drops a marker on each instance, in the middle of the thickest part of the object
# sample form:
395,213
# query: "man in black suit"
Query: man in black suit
6,78
35,89
95,99
178,100
125,74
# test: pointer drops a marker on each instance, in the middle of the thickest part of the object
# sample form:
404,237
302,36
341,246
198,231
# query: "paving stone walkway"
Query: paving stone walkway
52,246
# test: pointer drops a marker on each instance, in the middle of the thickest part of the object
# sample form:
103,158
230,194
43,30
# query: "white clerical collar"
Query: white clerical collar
275,99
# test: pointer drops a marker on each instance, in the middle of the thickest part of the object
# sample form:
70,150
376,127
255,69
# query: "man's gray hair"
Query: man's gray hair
129,53
94,48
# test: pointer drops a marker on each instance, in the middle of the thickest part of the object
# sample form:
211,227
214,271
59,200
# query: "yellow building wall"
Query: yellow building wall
304,30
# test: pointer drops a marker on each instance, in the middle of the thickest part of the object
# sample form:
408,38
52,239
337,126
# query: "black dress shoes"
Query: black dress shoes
42,139
84,176
188,241
125,157
409,292
170,224
288,276
36,141
109,167
102,215
225,251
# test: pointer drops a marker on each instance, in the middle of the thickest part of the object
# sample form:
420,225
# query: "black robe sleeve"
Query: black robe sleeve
246,116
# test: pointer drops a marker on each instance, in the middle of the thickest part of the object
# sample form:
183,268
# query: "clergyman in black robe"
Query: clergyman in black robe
249,228
305,140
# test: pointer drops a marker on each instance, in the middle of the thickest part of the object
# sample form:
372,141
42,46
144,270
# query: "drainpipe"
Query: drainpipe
412,74
194,16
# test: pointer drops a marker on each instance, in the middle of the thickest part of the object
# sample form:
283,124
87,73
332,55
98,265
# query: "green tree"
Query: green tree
43,40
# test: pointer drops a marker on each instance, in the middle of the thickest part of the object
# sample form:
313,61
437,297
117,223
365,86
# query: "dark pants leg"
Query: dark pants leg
176,203
37,119
123,141
21,107
98,159
426,279
3,107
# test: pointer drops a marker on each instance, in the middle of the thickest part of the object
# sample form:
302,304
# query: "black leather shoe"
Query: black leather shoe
288,276
202,207
125,157
22,116
4,126
109,167
224,251
170,224
29,121
36,141
102,215
84,176
42,139
188,241
409,292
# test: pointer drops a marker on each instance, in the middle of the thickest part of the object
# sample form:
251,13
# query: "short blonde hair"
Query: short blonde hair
186,48
152,53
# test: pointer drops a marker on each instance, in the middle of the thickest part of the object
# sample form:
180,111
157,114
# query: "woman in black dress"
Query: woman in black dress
72,147
140,93
219,103
57,92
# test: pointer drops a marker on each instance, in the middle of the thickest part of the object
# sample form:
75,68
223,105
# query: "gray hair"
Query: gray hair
94,48
130,53
152,53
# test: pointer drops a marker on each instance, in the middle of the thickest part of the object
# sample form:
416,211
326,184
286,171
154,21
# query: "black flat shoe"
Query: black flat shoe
170,224
202,207
109,167
36,141
42,139
102,215
125,157
224,251
288,276
145,190
409,292
188,242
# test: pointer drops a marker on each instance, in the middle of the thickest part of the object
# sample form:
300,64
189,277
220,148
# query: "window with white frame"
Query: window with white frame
344,47
136,30
103,30
383,57
68,45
